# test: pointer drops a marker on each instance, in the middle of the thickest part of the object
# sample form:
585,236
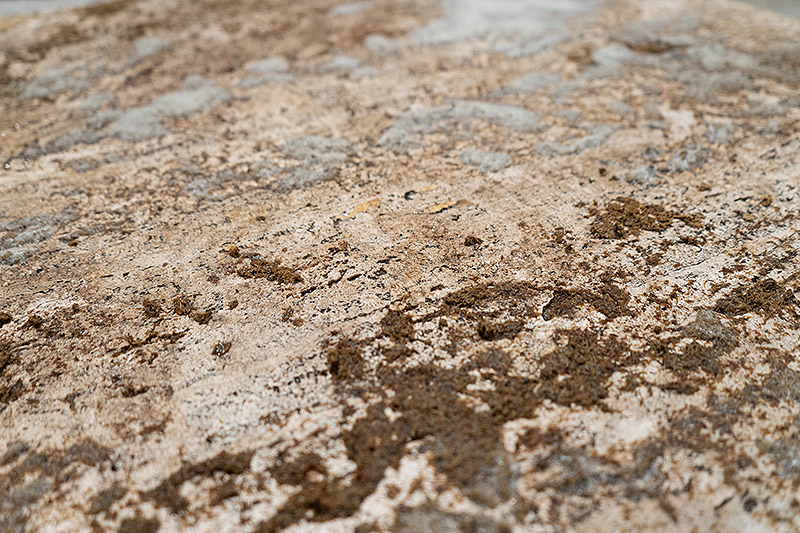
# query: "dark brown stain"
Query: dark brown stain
624,217
167,493
765,297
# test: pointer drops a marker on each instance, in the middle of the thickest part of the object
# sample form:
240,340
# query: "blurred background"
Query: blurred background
17,7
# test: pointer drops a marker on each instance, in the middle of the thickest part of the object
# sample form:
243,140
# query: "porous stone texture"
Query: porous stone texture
518,265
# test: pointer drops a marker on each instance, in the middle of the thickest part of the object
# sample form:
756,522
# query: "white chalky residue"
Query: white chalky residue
486,161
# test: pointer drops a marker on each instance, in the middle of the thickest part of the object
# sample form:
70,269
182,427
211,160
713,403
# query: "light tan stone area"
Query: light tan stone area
400,266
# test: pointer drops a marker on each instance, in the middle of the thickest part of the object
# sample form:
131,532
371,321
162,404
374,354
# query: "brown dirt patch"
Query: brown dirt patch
624,217
765,297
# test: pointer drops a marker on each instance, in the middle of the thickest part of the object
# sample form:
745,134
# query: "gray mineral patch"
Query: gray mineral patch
199,188
786,454
317,149
718,57
508,21
509,116
300,178
104,118
83,165
530,83
55,81
787,7
689,158
620,108
16,255
486,161
320,158
137,124
767,106
36,221
570,115
260,170
409,126
516,48
17,7
720,132
341,62
146,47
351,8
63,142
267,70
97,100
34,235
710,86
772,127
642,175
268,65
264,79
197,95
144,122
406,131
73,138
609,60
380,45
598,135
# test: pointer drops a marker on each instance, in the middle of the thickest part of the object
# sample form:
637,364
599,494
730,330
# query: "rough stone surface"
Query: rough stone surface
428,265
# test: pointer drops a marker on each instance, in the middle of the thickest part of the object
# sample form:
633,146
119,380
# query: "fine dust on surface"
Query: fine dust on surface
400,266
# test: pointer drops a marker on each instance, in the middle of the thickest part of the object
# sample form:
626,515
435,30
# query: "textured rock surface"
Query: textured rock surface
400,266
